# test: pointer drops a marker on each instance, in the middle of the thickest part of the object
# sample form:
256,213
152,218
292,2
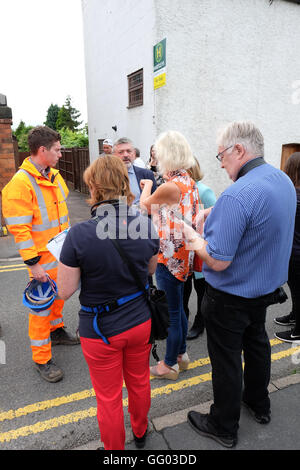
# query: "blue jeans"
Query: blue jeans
176,341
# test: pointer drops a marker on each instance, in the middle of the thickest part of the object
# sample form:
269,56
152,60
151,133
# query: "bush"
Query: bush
69,138
73,139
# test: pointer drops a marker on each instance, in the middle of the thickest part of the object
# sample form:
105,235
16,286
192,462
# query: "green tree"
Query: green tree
20,129
52,115
74,113
64,120
68,117
21,133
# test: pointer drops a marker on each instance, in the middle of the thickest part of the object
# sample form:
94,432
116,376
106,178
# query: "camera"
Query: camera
277,297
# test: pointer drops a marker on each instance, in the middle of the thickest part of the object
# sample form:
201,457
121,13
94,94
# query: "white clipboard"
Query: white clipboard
56,243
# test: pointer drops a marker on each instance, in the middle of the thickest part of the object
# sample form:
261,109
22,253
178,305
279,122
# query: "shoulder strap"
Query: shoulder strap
125,258
129,264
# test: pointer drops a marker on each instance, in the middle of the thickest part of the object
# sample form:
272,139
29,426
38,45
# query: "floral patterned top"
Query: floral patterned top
173,253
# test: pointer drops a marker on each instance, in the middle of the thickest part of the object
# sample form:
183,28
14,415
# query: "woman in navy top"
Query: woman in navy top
115,322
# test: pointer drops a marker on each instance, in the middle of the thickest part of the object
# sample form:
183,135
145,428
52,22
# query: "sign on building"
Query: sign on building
159,64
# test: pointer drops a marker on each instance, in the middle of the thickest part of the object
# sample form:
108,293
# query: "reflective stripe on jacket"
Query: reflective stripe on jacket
35,208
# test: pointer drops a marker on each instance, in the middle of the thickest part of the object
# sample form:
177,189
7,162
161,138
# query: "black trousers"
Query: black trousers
294,285
235,325
199,286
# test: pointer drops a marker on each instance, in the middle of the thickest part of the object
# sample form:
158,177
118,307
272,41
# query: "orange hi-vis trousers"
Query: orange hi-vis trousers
42,323
35,211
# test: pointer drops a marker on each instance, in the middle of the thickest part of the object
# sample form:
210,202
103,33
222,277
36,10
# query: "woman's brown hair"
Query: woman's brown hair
292,168
107,177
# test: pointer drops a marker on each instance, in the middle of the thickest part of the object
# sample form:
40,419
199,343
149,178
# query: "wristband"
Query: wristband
32,261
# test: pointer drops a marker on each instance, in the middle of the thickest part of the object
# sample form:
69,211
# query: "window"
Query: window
100,145
135,89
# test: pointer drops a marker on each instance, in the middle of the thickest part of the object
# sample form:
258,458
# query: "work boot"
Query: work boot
60,336
49,371
197,328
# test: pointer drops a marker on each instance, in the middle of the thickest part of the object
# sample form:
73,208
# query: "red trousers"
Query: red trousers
127,356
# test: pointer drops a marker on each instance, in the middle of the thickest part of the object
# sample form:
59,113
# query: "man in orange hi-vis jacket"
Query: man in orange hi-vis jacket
35,210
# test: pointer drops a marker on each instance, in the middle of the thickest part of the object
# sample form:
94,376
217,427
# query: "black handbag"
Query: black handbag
157,300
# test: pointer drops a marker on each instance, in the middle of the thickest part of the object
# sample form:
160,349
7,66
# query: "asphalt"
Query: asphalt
172,432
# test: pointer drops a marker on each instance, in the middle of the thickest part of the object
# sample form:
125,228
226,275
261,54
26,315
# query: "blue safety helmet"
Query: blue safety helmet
39,296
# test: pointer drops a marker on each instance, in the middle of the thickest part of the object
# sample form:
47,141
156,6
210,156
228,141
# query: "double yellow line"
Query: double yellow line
91,412
12,267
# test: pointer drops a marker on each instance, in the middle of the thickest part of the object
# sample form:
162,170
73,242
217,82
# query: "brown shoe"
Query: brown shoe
49,371
183,361
60,336
162,371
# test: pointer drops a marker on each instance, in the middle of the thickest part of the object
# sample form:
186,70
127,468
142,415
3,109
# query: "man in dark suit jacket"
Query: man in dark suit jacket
124,149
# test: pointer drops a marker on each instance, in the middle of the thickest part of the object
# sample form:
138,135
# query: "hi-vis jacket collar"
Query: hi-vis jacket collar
28,166
35,209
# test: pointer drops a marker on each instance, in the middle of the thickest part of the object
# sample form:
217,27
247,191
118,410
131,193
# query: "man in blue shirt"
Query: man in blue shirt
124,149
246,249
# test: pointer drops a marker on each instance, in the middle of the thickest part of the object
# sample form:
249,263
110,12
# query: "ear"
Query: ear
41,150
240,150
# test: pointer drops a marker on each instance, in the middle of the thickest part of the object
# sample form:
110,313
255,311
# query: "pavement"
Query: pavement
172,432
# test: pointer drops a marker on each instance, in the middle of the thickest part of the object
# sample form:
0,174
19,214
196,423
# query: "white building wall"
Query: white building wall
226,60
118,41
229,60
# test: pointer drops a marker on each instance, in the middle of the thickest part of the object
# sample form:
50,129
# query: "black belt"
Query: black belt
278,296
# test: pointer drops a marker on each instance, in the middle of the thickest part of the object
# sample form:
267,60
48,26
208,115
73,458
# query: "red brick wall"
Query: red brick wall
7,158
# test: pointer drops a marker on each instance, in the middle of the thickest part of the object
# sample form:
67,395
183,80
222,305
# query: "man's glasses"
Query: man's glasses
219,156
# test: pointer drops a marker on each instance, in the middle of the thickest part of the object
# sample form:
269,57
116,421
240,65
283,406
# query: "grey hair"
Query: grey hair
122,140
173,152
244,133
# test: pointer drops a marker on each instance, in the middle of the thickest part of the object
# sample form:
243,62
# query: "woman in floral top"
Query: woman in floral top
169,204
